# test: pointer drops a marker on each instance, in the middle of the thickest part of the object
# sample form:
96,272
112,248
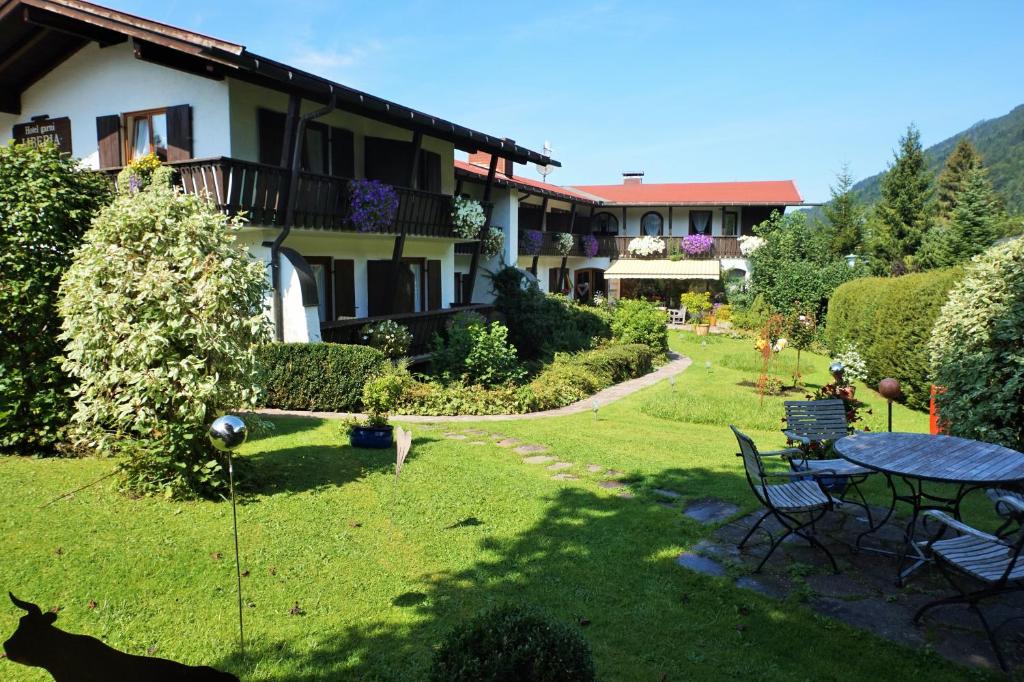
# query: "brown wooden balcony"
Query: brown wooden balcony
322,202
423,326
723,247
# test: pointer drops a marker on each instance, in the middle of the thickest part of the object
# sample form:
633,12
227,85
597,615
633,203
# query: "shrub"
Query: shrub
854,367
435,398
163,309
493,242
513,643
636,321
46,203
316,376
476,352
890,321
382,391
389,337
697,303
752,317
977,349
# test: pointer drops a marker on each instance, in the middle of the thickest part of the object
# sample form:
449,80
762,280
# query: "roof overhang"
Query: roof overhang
663,269
37,35
473,173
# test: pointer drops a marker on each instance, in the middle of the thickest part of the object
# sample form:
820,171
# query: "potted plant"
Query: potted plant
380,395
373,205
467,217
697,304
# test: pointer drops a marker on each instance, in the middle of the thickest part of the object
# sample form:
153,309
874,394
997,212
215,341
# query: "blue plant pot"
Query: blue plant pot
371,436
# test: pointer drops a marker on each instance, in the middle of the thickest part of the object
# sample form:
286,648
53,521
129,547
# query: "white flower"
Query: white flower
646,246
467,217
779,345
749,244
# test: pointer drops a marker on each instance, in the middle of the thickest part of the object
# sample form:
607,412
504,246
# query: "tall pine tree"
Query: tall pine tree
963,159
976,221
904,213
845,215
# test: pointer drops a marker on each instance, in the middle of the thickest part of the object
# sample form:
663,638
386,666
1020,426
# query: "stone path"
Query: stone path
864,594
676,365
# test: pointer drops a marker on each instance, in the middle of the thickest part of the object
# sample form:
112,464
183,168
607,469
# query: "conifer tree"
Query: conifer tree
953,177
845,215
977,219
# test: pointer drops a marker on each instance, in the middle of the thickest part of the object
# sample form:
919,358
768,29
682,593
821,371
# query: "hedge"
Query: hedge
889,320
316,376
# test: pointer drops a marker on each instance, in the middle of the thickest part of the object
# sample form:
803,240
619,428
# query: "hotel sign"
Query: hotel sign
56,131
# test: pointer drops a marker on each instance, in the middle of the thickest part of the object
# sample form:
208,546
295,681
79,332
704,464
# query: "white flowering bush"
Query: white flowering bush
467,217
749,244
389,337
646,246
854,366
563,242
493,242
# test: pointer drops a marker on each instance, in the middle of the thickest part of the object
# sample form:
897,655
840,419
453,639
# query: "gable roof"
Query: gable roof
37,35
471,170
762,193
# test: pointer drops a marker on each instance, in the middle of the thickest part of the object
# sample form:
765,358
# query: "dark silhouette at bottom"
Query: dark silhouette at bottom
80,658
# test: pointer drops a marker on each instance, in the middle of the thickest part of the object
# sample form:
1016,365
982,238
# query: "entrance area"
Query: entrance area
589,281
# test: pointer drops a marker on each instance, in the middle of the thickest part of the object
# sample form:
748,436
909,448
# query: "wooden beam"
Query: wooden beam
544,215
414,169
572,217
670,221
623,220
21,50
291,123
10,103
474,263
458,187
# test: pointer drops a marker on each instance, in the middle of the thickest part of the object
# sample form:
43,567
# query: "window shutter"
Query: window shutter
343,153
387,160
179,133
430,172
108,138
344,288
554,280
271,135
433,285
458,287
378,287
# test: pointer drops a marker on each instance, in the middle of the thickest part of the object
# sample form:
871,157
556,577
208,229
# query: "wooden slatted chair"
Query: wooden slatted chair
811,423
993,561
1011,515
786,501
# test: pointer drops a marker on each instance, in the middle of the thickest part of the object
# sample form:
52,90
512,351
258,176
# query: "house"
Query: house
289,149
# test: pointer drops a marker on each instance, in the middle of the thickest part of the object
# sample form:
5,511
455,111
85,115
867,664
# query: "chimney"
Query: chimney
483,160
632,177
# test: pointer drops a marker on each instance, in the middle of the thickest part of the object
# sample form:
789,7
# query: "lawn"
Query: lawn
351,574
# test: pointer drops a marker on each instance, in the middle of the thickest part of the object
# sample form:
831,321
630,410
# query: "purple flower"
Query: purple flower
697,244
590,246
532,242
373,205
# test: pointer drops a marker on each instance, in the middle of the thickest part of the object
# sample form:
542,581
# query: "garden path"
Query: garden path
676,365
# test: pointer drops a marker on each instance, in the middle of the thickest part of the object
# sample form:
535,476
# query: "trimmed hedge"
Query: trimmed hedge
316,376
889,320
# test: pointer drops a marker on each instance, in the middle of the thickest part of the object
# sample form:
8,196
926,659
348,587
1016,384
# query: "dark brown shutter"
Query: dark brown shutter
179,133
108,138
379,292
344,288
433,285
458,287
386,160
430,172
270,125
554,280
343,153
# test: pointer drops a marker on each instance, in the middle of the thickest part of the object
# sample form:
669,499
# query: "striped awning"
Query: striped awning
663,269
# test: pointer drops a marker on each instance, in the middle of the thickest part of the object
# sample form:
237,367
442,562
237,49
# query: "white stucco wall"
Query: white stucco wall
301,323
680,218
102,81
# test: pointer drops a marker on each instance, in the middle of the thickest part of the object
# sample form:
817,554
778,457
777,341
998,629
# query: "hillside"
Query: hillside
1001,143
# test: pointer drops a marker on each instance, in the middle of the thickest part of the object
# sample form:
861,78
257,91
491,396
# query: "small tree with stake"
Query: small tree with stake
801,325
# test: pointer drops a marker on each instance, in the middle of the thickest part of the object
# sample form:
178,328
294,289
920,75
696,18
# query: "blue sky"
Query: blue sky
683,91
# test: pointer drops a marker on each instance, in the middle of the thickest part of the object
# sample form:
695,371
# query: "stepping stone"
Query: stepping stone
507,443
565,477
560,465
627,495
666,493
595,469
614,473
477,442
700,564
476,432
710,511
455,436
539,459
765,586
612,485
498,436
527,449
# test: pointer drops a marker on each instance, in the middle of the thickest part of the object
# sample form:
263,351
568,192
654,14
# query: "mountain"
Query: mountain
1001,143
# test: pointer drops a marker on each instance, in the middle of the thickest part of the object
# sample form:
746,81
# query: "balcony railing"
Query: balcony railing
618,247
321,202
423,326
549,248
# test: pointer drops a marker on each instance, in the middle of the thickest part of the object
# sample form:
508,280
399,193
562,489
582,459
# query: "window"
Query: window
604,223
651,224
146,134
730,223
700,222
325,150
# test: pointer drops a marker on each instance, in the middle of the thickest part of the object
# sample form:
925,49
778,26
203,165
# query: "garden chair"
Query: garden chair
677,316
796,502
817,423
994,562
1012,515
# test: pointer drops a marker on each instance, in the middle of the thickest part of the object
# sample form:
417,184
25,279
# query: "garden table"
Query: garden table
960,465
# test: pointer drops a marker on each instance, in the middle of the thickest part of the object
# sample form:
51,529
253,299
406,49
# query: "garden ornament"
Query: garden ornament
890,390
227,433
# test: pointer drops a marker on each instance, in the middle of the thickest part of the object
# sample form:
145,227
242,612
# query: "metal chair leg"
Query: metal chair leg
752,529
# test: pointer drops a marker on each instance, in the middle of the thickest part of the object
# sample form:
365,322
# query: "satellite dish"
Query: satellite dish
545,169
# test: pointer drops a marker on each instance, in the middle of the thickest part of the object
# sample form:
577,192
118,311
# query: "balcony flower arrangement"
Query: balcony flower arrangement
467,217
563,242
749,244
590,245
533,240
373,205
493,242
646,246
697,244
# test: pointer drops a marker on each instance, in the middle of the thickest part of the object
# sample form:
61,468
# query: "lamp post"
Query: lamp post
890,390
836,369
227,433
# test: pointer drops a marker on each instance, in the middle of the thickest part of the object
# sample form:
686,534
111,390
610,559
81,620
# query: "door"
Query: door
588,282
321,267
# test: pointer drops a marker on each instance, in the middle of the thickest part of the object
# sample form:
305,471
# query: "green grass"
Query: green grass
381,570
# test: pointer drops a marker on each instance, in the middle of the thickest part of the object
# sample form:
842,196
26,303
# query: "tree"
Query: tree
163,309
903,215
963,159
975,223
845,215
46,203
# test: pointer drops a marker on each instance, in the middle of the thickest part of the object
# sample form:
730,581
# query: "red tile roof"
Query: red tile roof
526,184
764,193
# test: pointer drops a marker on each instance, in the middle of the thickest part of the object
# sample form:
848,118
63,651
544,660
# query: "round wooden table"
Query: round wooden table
916,458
